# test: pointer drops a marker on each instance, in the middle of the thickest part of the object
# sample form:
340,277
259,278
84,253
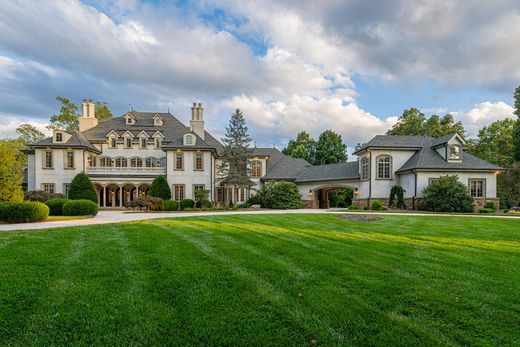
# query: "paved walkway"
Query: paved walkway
105,217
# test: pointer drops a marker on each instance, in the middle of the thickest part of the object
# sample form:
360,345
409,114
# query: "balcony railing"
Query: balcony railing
126,170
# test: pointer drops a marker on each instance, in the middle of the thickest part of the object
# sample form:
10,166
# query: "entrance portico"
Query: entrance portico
117,195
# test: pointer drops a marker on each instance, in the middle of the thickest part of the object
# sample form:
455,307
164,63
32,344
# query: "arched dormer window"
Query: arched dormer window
189,140
364,168
256,168
384,167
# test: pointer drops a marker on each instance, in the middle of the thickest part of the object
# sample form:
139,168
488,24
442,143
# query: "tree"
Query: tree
330,149
160,188
29,134
11,172
102,110
341,197
67,118
234,168
447,194
303,147
285,195
397,192
495,143
516,130
509,185
414,122
82,188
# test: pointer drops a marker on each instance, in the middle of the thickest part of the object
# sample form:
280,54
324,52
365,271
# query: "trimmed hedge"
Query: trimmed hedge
23,212
171,205
81,207
56,206
82,189
203,204
160,188
486,210
187,203
490,205
377,205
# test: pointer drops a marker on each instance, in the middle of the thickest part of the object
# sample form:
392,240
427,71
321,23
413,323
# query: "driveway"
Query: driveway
105,217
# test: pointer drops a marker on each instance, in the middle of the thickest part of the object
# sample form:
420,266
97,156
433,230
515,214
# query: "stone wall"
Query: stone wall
311,203
480,202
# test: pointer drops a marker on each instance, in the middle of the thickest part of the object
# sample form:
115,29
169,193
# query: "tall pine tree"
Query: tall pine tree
516,129
234,169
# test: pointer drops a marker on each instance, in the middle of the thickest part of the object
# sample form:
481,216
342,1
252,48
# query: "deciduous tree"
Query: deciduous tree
414,122
303,147
330,149
495,142
28,134
11,172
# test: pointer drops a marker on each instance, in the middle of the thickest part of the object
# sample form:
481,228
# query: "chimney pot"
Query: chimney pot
84,101
90,101
200,104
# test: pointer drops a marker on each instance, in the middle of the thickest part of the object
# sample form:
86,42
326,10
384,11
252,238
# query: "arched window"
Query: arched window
105,162
150,162
384,167
364,168
121,162
256,168
136,162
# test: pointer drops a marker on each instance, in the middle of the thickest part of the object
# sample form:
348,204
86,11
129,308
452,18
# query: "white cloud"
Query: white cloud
9,124
483,114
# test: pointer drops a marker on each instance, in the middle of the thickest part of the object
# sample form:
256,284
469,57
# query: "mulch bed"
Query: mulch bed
361,218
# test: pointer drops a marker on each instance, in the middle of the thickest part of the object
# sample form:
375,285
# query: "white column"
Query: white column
104,196
121,197
113,198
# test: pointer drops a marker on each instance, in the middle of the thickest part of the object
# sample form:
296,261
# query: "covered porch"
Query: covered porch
117,195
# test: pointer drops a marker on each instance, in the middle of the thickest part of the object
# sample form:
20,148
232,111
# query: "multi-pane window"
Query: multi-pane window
384,167
454,152
128,142
92,160
143,142
66,188
47,161
105,162
157,142
178,192
196,188
432,180
149,162
113,142
136,162
364,168
59,137
69,160
48,188
220,194
179,161
121,162
199,161
477,187
256,168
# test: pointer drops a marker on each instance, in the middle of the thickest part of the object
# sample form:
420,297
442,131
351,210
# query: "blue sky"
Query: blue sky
351,66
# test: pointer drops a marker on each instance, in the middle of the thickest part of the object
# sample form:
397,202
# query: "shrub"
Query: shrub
397,192
56,206
264,196
231,205
254,200
353,207
187,203
82,207
490,205
203,204
82,189
447,194
41,196
23,212
147,203
377,205
160,188
286,195
486,210
171,205
341,197
244,205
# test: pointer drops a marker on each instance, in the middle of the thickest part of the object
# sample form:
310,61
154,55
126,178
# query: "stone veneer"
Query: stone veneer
416,203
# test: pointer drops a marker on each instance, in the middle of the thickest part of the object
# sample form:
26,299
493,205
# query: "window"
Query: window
129,120
384,167
149,162
454,152
47,160
136,162
197,187
178,192
241,194
199,161
364,168
220,194
256,169
48,188
121,162
189,140
59,137
179,161
69,160
477,187
66,188
105,162
157,142
143,142
113,142
432,181
128,142
92,160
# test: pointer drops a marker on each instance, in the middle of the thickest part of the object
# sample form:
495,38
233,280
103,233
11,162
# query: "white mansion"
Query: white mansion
123,155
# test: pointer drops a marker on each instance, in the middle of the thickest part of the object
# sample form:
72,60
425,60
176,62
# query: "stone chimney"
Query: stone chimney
88,119
197,120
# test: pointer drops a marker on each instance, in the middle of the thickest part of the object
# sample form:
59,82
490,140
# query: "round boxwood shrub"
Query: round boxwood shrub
171,205
56,206
447,194
23,212
377,205
81,207
160,188
285,195
490,205
187,203
81,188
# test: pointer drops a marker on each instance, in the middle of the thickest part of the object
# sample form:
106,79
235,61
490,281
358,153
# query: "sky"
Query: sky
352,66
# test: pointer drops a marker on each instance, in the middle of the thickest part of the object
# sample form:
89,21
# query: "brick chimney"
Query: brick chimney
197,120
88,118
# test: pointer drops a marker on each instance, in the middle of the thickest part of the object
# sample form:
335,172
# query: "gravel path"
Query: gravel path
105,217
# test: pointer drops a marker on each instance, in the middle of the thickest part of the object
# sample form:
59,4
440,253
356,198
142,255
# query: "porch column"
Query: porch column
113,194
98,197
104,196
121,196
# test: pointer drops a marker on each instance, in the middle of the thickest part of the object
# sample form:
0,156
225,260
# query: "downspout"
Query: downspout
415,190
211,178
369,179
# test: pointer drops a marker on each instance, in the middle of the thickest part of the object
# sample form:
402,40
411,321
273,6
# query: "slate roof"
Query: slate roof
330,172
77,139
396,141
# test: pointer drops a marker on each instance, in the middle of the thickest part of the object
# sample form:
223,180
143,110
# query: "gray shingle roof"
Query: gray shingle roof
77,139
398,141
330,172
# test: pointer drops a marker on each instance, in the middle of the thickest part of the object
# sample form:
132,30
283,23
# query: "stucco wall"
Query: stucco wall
307,190
407,181
189,176
381,187
491,180
31,171
58,175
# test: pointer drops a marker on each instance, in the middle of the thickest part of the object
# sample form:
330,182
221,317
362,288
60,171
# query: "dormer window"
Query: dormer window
157,142
128,142
454,152
129,118
143,142
157,120
59,137
189,140
113,142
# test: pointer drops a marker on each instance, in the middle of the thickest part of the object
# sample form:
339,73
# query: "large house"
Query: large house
123,155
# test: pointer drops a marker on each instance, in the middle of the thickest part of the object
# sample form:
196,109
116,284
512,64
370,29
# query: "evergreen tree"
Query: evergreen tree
516,130
160,188
82,188
234,168
330,149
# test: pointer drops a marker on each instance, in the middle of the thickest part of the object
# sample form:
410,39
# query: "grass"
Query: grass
264,280
60,218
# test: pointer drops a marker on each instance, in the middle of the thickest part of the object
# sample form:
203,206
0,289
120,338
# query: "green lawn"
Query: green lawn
264,280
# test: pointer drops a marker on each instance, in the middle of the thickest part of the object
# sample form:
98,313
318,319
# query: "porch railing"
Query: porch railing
126,170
